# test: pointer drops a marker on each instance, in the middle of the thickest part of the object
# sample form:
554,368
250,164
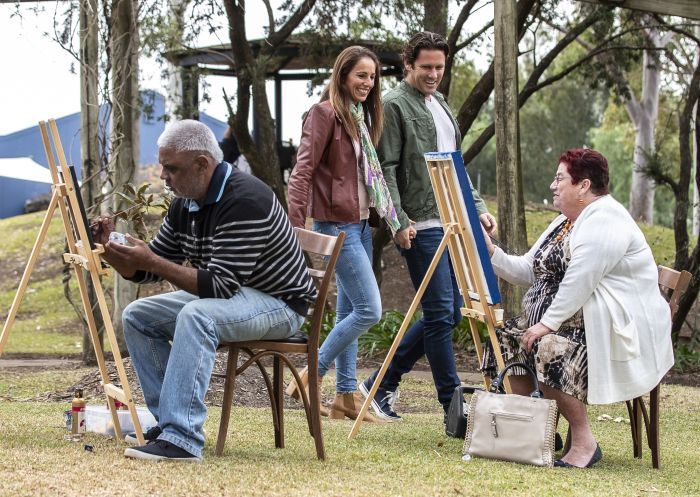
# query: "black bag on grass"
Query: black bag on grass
456,425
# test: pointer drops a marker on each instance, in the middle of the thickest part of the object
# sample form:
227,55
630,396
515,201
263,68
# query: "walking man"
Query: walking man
417,120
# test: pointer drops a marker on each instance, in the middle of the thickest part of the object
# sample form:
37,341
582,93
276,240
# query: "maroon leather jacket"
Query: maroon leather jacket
323,184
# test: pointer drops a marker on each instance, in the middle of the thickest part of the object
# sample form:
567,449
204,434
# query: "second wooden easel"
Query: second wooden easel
84,255
474,275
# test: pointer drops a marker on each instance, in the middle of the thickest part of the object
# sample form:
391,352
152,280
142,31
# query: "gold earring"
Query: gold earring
580,200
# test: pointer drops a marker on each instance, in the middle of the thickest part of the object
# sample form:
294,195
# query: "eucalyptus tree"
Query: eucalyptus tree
108,56
686,58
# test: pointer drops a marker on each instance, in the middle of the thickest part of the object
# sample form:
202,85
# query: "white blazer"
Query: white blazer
613,277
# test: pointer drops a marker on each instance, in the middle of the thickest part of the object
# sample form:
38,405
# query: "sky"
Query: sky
40,79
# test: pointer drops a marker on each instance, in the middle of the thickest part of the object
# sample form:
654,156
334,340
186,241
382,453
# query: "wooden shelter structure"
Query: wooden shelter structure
300,58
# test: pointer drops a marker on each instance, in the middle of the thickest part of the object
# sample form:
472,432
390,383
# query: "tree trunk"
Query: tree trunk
642,189
511,206
263,158
696,156
643,115
125,127
173,98
435,16
251,73
89,142
684,260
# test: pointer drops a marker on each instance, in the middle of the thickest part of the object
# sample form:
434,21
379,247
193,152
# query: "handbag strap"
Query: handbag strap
467,389
497,383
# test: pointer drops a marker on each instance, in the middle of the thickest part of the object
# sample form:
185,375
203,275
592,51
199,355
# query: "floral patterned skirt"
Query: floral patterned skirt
560,359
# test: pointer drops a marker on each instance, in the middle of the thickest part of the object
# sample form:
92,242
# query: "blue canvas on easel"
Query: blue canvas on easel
473,216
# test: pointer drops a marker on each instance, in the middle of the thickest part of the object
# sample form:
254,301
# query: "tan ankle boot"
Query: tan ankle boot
294,392
293,388
349,404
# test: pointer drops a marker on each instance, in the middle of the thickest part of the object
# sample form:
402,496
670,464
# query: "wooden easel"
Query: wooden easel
83,257
467,267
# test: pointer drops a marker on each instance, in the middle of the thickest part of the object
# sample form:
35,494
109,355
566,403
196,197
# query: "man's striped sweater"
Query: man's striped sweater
241,236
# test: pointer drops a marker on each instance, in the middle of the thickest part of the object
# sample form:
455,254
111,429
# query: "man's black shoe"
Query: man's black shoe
152,434
161,450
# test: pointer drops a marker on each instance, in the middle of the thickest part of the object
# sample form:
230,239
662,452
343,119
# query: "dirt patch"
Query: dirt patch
250,390
686,378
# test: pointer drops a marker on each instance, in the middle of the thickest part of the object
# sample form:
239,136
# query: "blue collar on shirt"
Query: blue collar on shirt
216,187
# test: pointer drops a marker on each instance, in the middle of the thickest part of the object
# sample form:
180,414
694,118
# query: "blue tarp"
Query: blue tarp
27,143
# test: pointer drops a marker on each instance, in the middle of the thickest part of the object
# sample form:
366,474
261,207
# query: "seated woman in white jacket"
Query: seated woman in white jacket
593,320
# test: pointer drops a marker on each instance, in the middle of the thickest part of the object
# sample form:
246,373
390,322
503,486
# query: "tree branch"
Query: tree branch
531,86
459,24
444,87
276,39
473,37
562,44
676,29
270,17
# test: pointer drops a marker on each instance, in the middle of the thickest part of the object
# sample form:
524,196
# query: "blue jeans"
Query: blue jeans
359,304
172,340
432,333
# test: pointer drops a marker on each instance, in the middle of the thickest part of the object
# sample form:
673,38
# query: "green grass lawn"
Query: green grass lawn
411,458
46,324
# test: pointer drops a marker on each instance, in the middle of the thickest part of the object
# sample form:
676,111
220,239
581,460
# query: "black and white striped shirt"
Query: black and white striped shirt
241,236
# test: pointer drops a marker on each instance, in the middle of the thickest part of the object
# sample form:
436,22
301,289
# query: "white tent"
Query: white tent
24,168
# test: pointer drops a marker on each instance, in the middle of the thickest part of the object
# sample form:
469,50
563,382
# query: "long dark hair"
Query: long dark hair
340,100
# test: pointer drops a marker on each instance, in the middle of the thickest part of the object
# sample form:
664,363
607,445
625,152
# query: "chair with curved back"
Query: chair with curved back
673,284
314,245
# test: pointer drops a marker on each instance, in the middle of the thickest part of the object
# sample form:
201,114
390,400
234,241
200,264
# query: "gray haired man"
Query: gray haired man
245,279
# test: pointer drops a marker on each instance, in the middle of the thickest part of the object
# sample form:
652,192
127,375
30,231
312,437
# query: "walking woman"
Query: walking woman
337,180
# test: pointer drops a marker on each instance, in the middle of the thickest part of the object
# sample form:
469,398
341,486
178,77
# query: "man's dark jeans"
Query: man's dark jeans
432,334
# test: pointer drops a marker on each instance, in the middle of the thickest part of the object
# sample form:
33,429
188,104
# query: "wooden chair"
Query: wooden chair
313,244
673,284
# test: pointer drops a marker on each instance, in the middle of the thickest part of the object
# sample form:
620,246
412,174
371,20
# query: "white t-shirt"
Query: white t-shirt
445,142
443,126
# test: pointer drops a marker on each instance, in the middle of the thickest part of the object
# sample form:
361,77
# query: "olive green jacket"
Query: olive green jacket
409,132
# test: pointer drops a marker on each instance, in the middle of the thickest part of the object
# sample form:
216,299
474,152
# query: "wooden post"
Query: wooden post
89,133
511,210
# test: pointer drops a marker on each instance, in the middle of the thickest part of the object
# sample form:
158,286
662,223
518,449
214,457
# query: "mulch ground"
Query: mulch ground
250,390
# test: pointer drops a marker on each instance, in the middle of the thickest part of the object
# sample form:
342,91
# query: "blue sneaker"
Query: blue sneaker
383,401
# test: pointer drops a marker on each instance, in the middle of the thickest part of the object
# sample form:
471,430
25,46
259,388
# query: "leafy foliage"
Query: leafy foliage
141,201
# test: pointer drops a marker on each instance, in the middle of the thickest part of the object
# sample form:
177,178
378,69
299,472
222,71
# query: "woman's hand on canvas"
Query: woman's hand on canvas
489,223
489,243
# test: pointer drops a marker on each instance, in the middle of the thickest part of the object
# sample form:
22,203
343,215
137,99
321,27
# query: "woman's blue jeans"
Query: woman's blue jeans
172,339
431,335
359,304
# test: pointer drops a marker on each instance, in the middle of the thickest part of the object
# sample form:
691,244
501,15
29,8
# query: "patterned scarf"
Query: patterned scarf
379,196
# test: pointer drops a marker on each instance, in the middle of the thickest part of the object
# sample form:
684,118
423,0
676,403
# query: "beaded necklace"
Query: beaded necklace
565,229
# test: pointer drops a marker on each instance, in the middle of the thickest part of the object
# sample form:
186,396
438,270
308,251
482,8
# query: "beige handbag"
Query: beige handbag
511,427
